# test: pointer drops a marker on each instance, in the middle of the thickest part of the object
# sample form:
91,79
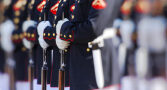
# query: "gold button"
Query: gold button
23,49
40,18
65,0
54,25
23,8
74,7
32,35
21,36
17,13
29,35
72,16
16,20
55,17
16,37
70,36
62,5
44,34
25,34
48,34
66,50
54,34
88,49
64,36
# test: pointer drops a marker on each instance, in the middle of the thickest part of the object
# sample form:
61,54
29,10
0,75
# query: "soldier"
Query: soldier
31,38
75,32
19,64
20,53
108,29
47,35
2,56
5,20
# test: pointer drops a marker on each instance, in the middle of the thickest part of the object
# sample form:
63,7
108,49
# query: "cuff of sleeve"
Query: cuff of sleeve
66,32
49,36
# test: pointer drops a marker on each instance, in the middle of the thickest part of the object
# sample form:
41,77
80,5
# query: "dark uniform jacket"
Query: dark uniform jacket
79,31
54,15
37,53
20,53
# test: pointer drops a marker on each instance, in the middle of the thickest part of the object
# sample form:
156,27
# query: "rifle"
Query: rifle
62,71
31,71
31,62
10,63
10,69
44,69
62,68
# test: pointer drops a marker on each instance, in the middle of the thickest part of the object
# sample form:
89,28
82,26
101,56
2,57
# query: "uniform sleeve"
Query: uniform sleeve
49,35
81,32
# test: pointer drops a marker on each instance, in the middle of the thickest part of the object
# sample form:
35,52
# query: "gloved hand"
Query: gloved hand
40,29
29,34
59,25
29,23
61,44
6,30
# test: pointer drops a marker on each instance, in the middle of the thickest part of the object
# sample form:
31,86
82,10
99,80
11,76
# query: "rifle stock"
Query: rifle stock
11,77
62,71
44,77
61,79
9,69
44,69
31,75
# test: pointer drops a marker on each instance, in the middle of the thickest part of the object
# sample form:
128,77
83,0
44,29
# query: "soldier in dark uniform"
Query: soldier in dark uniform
55,13
109,52
4,20
20,53
75,33
2,53
31,37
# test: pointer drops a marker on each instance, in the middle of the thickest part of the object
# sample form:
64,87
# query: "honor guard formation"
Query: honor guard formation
83,44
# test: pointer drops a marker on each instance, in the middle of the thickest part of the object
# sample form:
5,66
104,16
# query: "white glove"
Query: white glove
26,25
29,23
27,43
6,30
40,29
61,44
59,25
107,34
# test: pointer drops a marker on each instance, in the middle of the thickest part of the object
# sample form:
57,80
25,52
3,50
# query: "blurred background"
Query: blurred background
137,50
